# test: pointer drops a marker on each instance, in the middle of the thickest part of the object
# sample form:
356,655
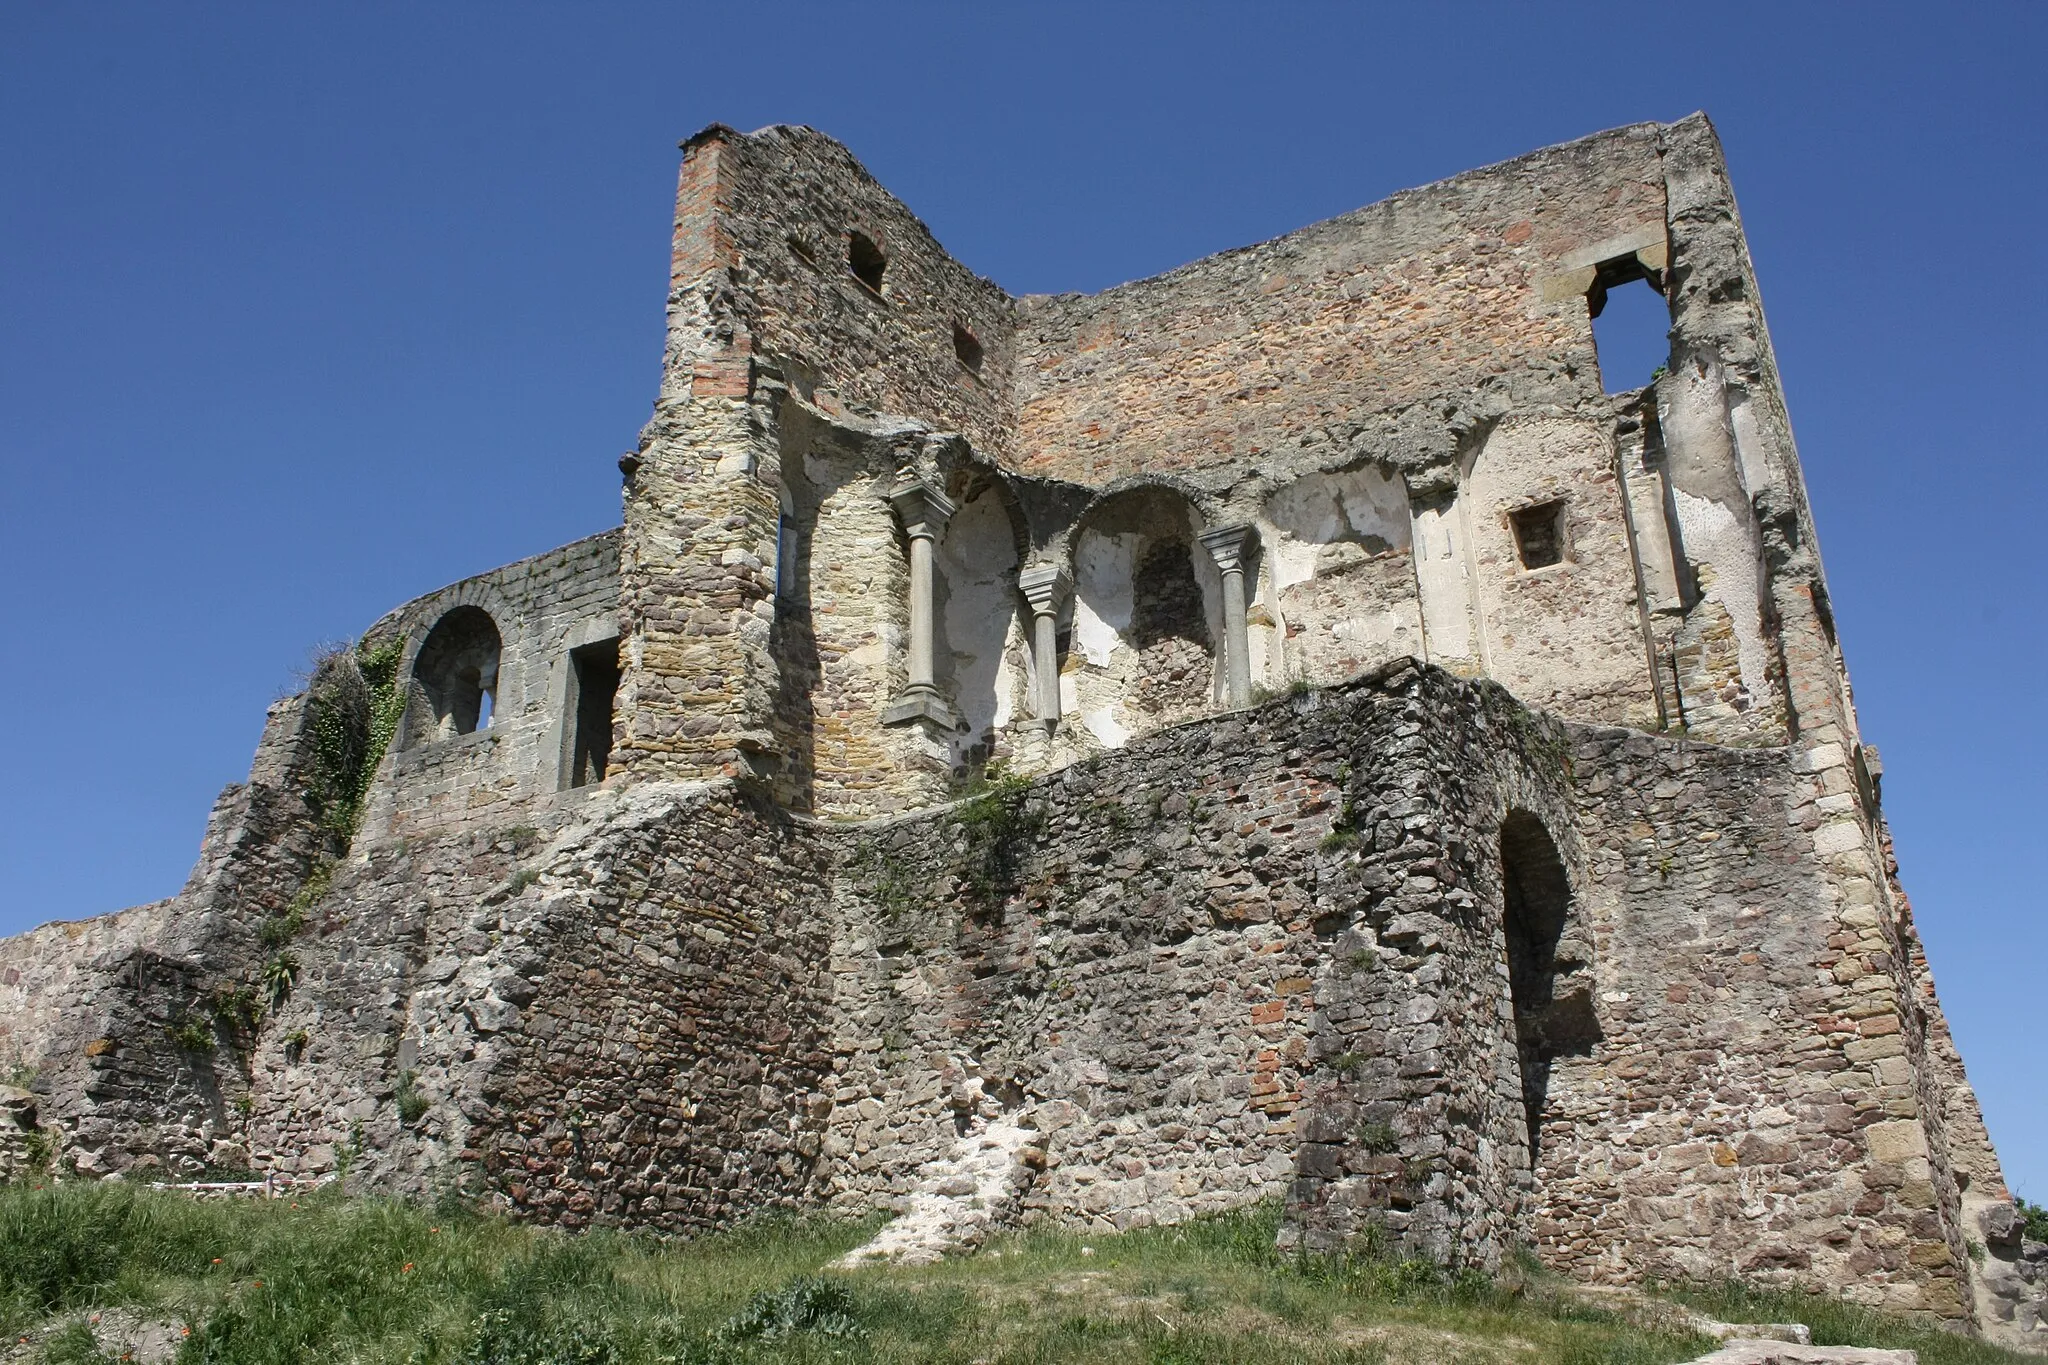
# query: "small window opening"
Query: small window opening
1631,327
865,259
785,557
1539,534
594,684
967,348
457,668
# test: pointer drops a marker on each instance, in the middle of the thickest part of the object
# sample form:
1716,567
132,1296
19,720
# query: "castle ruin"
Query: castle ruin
1279,729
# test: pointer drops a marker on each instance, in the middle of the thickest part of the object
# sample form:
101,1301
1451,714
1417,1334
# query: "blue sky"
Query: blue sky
307,310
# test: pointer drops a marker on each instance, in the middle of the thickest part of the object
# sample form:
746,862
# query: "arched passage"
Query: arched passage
457,669
1536,899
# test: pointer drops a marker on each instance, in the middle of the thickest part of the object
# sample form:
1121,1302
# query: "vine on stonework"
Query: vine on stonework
356,700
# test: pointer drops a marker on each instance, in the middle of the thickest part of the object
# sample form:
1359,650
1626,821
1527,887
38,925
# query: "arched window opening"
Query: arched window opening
1536,897
1147,616
457,668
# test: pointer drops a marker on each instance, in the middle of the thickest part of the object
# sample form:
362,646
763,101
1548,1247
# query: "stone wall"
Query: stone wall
1750,1111
1378,332
542,608
606,1017
1158,962
1440,343
126,1028
1441,971
763,234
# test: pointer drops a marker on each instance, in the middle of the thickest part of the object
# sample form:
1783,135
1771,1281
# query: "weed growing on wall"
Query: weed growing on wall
280,974
189,1034
1001,828
236,1008
412,1102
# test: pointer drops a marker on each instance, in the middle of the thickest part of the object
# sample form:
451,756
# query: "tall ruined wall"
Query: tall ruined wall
1381,333
1440,343
1754,1108
542,608
763,301
764,230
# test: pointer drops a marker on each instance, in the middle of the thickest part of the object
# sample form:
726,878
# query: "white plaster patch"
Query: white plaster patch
977,562
1712,535
1102,723
1103,566
1361,506
1440,574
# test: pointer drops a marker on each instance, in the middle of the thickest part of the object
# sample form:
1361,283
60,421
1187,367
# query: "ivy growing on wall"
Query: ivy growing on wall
356,701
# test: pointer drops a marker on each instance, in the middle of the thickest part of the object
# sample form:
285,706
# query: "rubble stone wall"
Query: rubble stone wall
543,607
1750,1110
761,269
125,1043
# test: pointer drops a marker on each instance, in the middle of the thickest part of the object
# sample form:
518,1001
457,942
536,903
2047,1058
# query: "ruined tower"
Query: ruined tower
1279,729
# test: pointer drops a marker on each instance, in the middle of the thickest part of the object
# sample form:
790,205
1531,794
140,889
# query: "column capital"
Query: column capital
1226,545
1045,586
923,509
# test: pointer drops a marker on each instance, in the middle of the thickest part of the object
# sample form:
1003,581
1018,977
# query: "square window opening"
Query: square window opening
593,685
1539,534
967,347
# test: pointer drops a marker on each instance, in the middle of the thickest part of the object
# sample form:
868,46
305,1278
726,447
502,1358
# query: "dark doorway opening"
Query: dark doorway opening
593,683
1537,897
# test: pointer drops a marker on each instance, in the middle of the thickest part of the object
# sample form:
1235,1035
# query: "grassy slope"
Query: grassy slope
350,1280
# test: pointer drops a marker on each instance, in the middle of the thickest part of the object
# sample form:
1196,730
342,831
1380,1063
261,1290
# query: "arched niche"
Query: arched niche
456,670
1547,980
1147,616
977,653
1338,589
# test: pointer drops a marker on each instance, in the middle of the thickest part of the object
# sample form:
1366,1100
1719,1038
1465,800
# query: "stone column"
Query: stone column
1226,545
924,511
1045,586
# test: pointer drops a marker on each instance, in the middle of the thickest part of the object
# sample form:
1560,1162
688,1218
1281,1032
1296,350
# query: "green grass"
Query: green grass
341,1280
